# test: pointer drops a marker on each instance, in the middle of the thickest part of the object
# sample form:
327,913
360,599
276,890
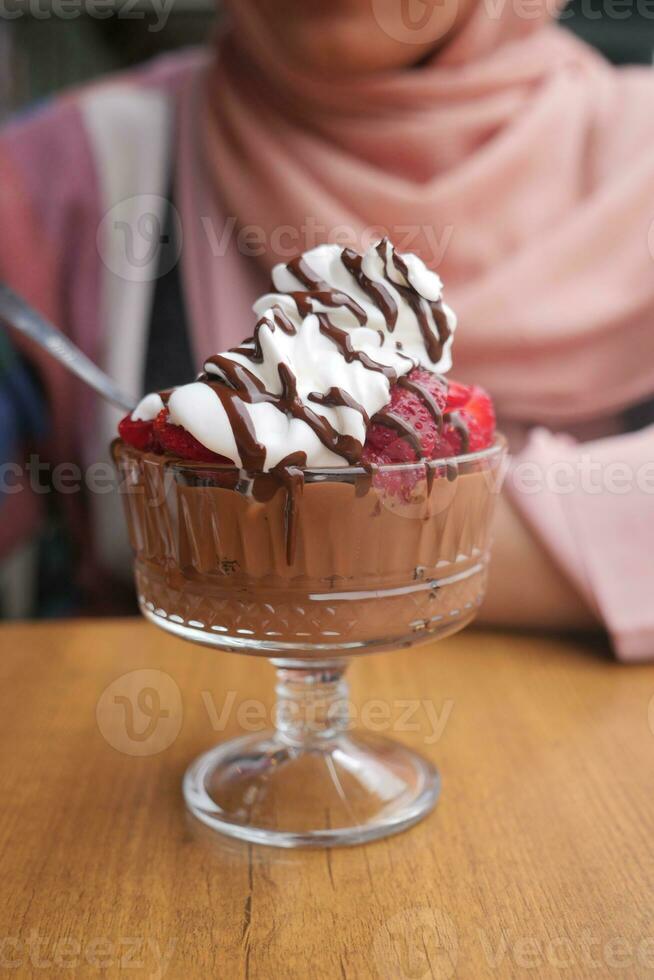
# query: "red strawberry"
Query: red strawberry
385,445
174,439
469,422
457,394
138,434
469,408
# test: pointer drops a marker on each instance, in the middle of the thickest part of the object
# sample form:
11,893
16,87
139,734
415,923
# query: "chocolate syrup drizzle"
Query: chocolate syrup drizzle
237,385
426,396
434,343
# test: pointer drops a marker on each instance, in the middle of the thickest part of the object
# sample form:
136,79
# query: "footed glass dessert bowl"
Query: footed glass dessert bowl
342,562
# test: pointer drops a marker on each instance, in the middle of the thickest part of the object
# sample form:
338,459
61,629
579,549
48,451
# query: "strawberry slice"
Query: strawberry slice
138,434
174,439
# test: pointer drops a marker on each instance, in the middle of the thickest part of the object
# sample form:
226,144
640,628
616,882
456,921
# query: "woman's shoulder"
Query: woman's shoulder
52,120
61,157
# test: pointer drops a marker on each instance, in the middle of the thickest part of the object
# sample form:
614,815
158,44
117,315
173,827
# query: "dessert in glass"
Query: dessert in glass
321,491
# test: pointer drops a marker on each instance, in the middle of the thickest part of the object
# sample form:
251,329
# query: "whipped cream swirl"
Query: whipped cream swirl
337,332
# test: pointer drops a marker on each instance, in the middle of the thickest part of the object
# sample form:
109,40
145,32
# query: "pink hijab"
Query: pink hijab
515,161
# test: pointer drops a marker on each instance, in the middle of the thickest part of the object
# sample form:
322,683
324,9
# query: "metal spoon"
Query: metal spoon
16,313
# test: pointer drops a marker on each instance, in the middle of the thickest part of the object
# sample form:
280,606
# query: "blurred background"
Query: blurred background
40,54
50,45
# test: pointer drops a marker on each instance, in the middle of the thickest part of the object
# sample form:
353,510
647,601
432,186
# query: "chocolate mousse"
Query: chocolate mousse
322,486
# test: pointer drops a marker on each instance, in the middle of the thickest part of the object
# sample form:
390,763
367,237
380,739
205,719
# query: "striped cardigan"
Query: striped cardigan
69,170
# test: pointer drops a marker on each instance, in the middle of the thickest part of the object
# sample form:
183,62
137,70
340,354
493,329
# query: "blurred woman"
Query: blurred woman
143,214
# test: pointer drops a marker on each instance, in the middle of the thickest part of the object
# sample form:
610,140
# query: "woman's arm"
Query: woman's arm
526,588
590,506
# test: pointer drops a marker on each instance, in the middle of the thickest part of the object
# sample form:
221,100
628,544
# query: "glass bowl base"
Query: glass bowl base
334,791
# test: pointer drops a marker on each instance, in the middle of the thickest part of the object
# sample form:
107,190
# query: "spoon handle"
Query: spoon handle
16,313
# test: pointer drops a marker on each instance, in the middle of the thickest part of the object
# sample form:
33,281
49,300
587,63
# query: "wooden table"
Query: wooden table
538,860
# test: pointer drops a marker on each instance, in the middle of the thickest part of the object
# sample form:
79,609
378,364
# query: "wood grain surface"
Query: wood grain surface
538,860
